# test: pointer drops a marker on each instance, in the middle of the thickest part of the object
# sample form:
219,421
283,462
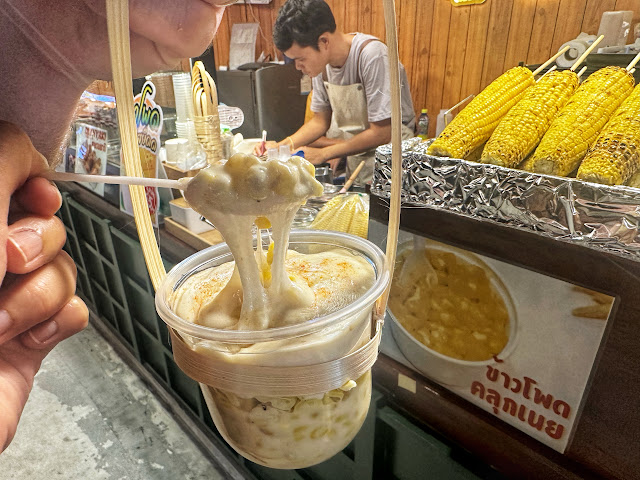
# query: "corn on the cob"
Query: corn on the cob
634,181
344,213
578,124
476,122
527,164
520,131
615,156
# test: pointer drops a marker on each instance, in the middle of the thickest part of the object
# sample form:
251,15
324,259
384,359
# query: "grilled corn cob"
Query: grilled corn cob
615,156
520,131
527,164
344,213
473,126
578,124
634,181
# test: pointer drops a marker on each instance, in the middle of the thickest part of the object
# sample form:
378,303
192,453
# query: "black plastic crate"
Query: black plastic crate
152,354
130,259
142,307
187,389
398,441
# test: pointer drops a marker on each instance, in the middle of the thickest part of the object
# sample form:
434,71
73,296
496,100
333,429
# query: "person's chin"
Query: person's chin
148,57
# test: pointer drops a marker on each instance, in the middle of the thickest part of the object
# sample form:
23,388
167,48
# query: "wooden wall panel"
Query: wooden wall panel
450,53
418,71
456,52
593,13
497,35
544,21
521,26
571,14
437,61
476,44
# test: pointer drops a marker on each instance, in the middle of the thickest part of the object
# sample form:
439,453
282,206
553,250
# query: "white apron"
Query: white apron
351,117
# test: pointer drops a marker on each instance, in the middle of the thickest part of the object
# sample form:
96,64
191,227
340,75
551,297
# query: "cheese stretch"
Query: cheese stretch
271,287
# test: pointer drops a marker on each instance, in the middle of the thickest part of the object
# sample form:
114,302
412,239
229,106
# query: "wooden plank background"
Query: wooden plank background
449,53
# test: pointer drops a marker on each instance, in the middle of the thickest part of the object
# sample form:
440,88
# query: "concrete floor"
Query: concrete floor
90,417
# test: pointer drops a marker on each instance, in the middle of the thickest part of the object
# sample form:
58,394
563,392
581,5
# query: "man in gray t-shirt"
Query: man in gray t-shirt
351,95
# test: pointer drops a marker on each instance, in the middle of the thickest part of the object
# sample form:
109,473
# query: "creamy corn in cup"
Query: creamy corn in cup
291,396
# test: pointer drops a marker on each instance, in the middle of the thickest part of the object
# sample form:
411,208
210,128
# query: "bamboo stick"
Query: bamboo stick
396,148
586,53
633,62
118,29
547,72
461,102
352,178
548,62
582,70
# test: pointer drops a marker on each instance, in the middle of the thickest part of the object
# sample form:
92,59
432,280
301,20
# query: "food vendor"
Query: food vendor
350,74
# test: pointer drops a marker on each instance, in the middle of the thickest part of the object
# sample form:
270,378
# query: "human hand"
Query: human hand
261,149
38,308
314,155
333,163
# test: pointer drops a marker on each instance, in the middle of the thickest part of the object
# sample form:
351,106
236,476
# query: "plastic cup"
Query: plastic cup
176,149
287,397
182,94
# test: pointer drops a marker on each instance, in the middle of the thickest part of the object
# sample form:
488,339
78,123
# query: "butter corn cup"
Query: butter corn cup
286,397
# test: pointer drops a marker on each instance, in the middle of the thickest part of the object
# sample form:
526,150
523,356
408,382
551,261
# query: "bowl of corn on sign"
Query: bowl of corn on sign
517,343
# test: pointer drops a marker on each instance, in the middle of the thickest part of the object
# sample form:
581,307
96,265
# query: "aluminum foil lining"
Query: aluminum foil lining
596,216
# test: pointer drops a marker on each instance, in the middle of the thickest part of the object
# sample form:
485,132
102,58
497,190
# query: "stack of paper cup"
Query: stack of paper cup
182,92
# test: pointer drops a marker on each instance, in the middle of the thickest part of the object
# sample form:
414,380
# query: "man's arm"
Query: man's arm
377,134
310,131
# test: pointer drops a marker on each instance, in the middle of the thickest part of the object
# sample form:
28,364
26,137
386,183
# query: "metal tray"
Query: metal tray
597,216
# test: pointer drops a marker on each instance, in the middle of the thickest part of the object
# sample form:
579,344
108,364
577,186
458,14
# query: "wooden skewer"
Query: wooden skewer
352,178
635,60
547,72
586,53
180,184
461,102
548,62
582,70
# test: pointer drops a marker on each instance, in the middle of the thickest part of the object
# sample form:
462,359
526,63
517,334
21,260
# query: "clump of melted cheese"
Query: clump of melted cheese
264,289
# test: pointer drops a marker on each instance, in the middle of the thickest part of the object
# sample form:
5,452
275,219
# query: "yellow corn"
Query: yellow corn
520,131
473,126
578,124
615,156
344,213
527,164
634,181
359,219
263,222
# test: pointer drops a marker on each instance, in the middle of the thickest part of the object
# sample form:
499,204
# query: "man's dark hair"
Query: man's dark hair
302,22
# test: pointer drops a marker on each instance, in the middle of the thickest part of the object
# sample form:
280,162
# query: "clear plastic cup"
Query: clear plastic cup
287,397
